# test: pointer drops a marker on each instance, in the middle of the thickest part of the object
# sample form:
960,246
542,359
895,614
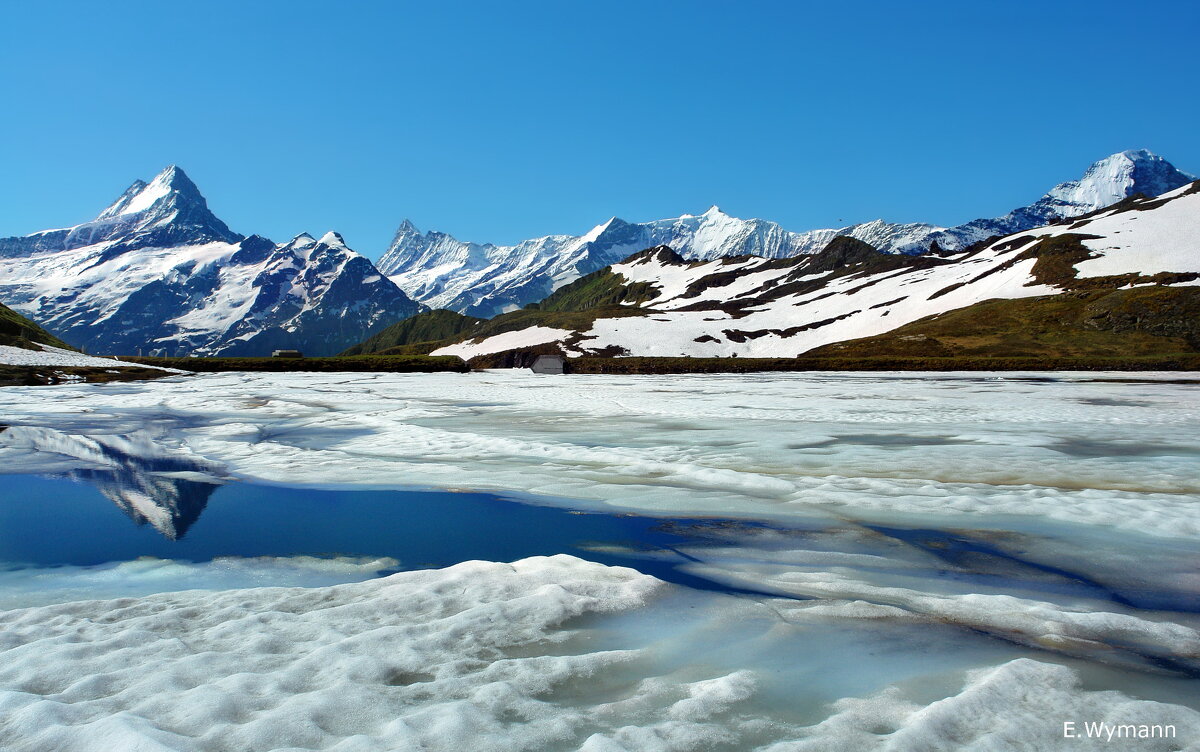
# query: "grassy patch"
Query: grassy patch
47,375
1136,323
600,289
423,329
1185,362
18,331
384,363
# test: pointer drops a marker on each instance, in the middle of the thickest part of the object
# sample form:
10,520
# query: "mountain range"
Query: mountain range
157,273
486,279
1121,280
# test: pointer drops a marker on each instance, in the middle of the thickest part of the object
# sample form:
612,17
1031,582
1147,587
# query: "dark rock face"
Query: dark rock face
841,252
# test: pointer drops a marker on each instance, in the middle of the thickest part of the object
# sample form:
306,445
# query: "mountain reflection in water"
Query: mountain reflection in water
145,479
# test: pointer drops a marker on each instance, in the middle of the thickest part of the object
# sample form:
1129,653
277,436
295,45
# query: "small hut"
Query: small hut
287,354
548,364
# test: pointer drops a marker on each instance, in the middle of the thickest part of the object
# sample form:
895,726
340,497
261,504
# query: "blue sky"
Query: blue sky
499,121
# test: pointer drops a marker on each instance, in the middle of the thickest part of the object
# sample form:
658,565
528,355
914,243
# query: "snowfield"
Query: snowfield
534,335
541,654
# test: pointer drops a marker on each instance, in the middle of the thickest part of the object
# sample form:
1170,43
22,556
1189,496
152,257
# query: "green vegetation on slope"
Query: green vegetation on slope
640,365
1140,322
389,364
573,320
601,294
603,288
18,331
412,334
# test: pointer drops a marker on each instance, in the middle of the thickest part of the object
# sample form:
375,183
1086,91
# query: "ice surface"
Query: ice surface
21,587
1018,705
980,449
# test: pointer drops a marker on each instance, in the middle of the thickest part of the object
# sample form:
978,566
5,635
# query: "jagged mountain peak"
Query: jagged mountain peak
172,185
1115,177
168,211
1104,183
604,227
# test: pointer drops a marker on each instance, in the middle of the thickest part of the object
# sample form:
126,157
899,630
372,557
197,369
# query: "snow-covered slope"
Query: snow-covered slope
751,306
158,272
48,355
485,280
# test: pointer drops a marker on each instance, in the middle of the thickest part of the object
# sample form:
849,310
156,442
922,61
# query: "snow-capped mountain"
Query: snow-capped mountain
157,272
657,303
1105,183
486,279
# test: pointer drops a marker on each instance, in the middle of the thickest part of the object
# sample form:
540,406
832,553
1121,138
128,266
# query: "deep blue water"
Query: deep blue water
49,521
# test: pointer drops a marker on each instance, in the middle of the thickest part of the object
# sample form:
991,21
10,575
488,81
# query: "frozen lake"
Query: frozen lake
775,562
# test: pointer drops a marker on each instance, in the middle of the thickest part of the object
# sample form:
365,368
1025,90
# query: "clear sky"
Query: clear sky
497,121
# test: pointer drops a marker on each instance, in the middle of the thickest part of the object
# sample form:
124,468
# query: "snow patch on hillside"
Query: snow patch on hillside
534,335
49,355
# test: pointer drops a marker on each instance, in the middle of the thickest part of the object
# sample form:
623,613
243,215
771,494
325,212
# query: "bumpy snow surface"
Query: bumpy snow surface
519,656
920,553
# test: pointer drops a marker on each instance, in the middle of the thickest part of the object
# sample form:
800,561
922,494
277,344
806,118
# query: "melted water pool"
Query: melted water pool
54,521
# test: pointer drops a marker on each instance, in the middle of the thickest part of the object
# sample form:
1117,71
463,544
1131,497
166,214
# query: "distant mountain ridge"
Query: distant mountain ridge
158,272
1120,280
486,279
